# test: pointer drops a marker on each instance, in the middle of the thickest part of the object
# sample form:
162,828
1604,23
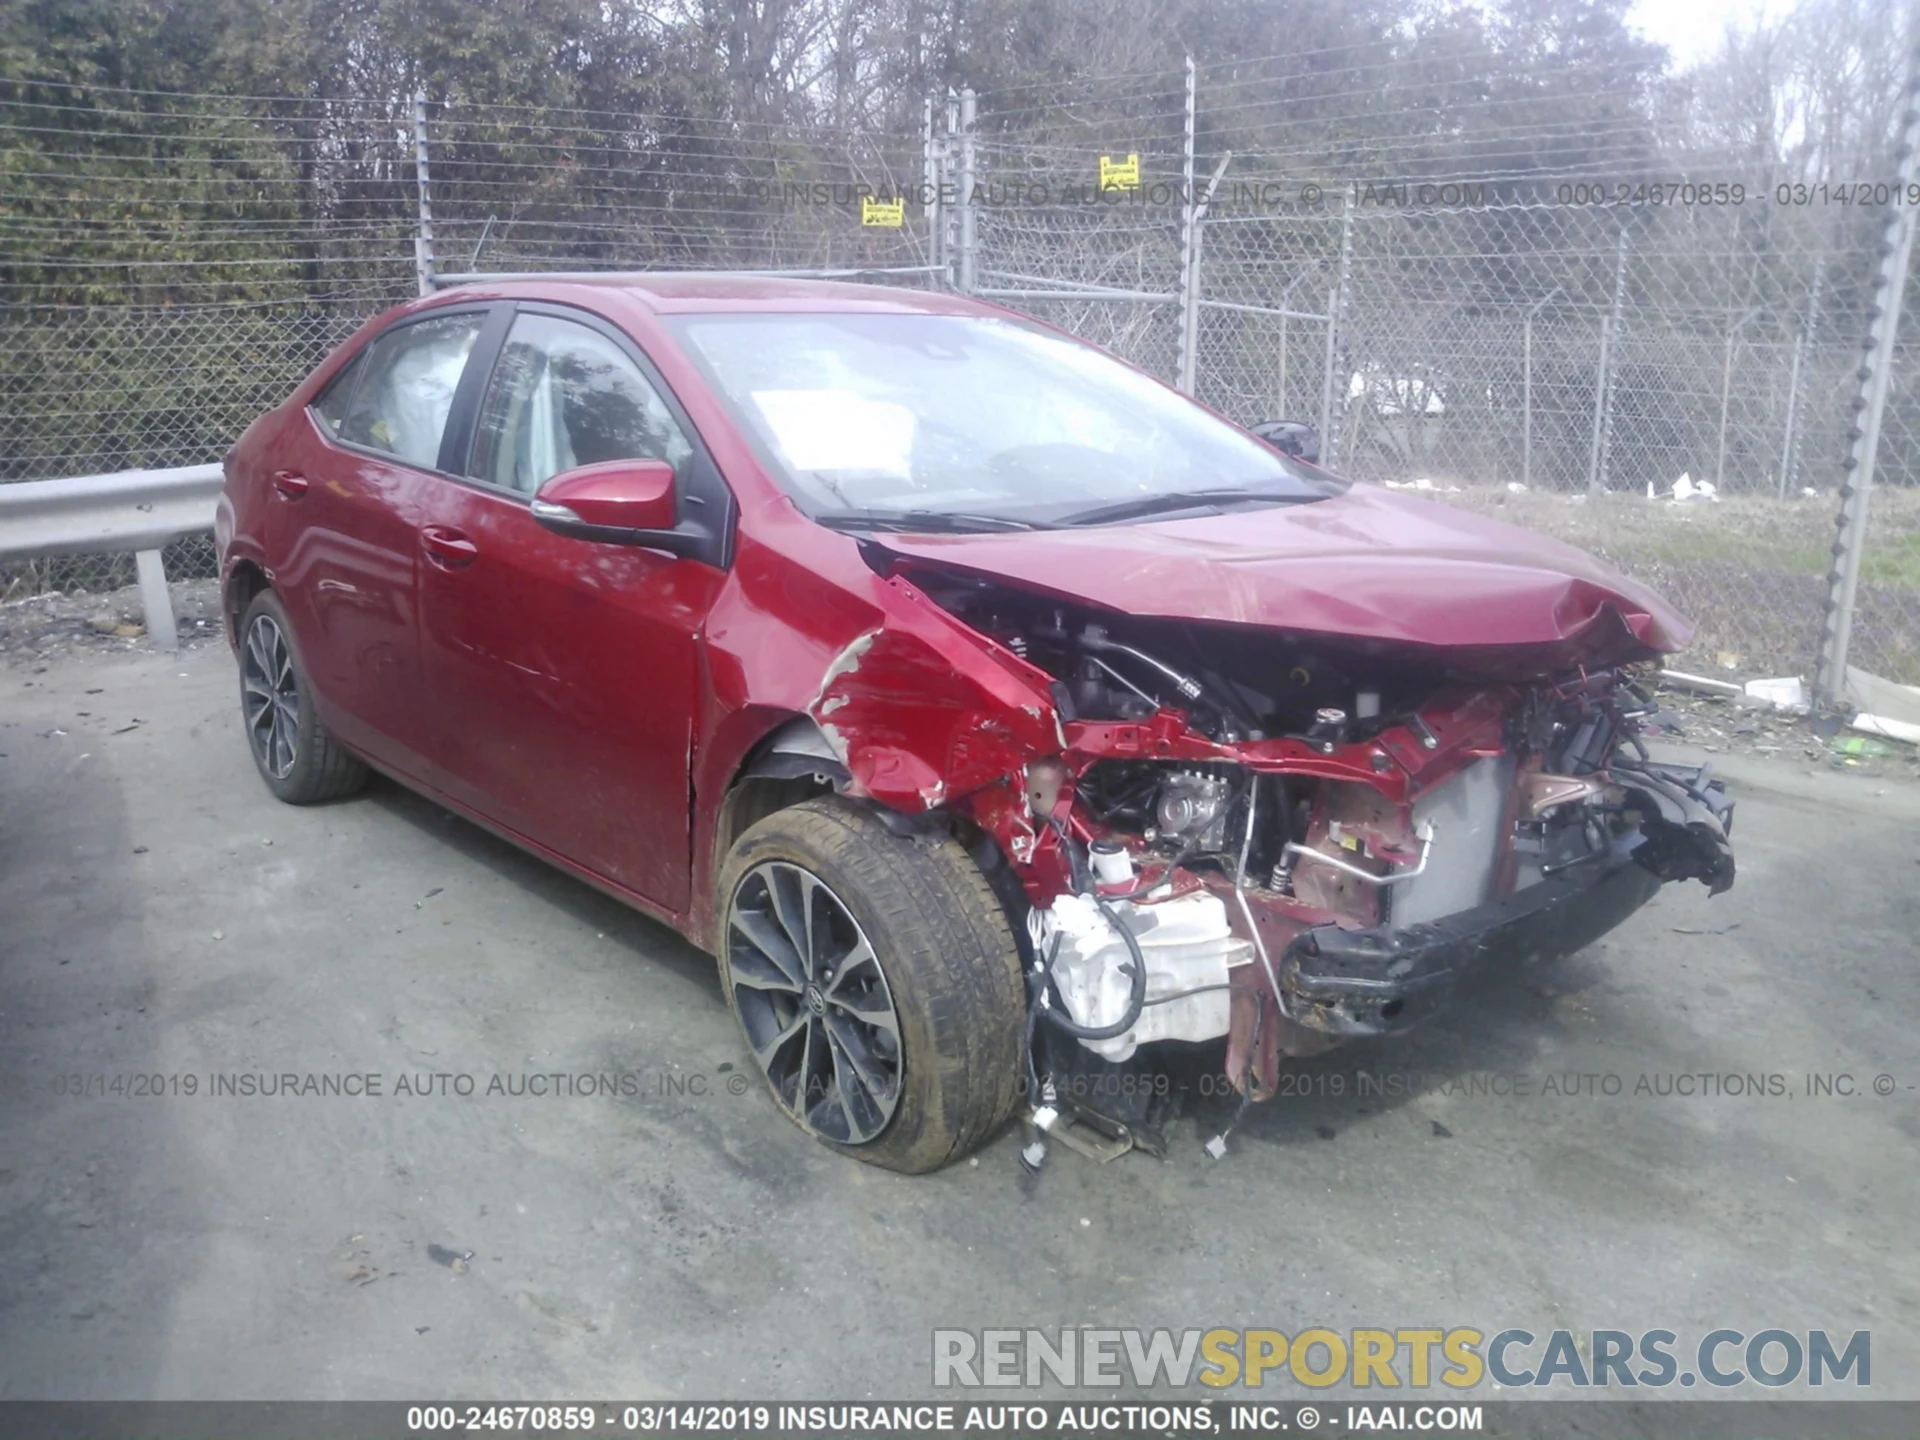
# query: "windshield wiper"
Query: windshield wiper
950,522
1180,500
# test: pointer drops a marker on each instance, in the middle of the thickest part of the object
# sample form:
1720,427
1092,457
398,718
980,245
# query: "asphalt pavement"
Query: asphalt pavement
173,942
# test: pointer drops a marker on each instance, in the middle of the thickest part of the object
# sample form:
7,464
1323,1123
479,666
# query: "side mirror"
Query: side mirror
1291,437
617,502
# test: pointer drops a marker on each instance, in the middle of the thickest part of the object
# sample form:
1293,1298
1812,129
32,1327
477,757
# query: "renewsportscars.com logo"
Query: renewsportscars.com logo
1460,1358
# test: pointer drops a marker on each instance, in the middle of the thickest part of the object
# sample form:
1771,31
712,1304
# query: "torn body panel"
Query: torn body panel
921,712
1372,821
1338,828
1366,565
913,708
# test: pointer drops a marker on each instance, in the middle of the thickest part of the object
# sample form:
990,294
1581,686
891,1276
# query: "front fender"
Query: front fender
923,710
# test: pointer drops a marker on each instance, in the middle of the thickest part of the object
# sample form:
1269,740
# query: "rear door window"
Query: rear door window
405,394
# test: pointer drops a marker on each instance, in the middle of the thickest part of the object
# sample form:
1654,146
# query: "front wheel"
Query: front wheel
301,763
875,981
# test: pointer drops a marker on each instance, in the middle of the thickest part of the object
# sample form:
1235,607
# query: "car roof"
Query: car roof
670,293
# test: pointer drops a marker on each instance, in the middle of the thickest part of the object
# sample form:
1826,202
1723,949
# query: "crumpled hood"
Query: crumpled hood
1367,564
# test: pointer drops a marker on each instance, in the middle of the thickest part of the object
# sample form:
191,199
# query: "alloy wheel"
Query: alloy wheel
270,697
814,1003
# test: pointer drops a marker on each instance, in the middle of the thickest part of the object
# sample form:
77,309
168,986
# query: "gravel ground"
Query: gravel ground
52,626
1742,727
164,917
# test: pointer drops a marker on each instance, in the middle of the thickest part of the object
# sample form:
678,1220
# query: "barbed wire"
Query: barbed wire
169,274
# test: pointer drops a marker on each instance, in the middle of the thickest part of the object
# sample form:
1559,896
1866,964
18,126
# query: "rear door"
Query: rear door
343,527
562,673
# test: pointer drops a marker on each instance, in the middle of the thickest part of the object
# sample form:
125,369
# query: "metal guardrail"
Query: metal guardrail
137,510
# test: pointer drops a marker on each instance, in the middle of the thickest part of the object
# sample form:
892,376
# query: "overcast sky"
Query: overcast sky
1690,29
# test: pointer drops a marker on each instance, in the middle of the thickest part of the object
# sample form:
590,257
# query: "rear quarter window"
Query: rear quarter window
330,406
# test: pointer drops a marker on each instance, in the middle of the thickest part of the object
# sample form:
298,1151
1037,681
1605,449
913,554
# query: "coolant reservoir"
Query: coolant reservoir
1188,947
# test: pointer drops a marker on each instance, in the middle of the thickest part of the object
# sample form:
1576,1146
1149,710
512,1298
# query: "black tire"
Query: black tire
947,967
301,763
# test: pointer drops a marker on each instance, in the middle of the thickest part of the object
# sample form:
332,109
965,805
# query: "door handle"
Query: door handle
448,549
291,484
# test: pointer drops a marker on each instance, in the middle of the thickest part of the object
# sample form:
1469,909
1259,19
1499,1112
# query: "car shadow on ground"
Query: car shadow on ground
648,940
1495,1028
81,988
1495,1024
1498,1025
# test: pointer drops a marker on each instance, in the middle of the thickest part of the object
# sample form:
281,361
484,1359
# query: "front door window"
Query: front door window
564,395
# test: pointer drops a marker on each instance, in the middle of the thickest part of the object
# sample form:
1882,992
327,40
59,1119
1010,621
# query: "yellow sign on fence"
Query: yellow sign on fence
891,213
1120,174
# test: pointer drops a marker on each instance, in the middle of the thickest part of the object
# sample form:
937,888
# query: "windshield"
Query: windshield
922,417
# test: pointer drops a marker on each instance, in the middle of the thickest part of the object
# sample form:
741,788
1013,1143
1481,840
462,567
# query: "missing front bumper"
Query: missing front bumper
1385,981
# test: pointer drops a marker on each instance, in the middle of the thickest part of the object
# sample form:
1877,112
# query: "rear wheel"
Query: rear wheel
301,763
875,982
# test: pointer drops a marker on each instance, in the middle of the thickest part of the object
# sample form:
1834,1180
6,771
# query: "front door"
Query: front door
563,673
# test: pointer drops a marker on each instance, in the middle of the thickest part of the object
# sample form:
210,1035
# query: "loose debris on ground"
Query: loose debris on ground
55,625
1739,725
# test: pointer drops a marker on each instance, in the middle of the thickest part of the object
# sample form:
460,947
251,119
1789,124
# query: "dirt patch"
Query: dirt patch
49,627
1727,726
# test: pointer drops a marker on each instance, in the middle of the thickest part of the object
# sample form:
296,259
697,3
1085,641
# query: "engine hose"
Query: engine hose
1078,866
1187,852
1036,985
1136,997
1196,990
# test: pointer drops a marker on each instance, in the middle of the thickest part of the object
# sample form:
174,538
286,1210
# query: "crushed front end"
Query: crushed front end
1281,842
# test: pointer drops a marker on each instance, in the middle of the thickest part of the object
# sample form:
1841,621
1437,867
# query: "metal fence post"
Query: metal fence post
930,184
423,239
1790,445
1336,314
1526,387
155,599
1326,382
1190,296
1599,407
1726,397
1190,303
968,216
950,188
1189,247
1896,251
1526,401
1280,385
1609,337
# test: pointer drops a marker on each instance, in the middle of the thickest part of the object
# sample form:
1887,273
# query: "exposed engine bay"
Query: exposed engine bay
1280,841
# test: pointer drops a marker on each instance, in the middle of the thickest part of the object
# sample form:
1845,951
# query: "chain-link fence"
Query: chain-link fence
1565,366
170,267
583,190
86,390
115,388
1662,371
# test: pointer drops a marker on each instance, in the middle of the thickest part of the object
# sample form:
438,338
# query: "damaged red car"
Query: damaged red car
1006,724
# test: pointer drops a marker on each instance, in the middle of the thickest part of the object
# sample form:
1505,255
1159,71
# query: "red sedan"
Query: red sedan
1005,722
